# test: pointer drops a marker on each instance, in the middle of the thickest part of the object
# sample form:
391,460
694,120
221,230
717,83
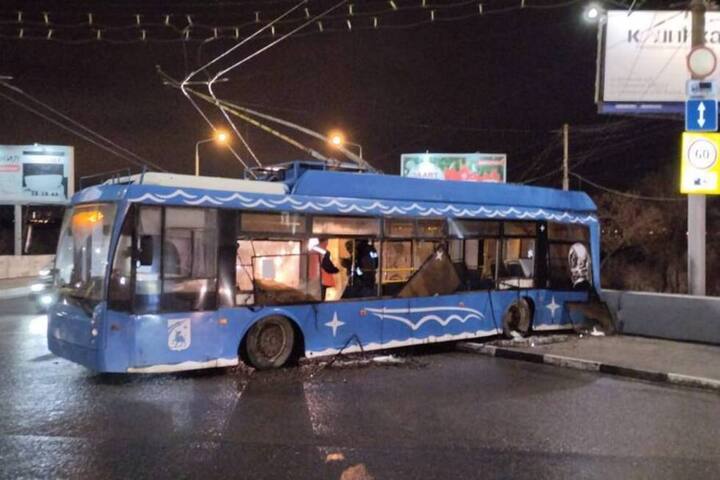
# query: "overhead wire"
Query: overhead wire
253,55
79,125
218,58
249,119
626,194
540,157
285,123
349,22
79,133
540,177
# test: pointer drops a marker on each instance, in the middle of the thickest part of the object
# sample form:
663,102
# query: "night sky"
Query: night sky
500,82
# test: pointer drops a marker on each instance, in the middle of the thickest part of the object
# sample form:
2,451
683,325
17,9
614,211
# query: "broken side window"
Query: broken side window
569,256
436,276
516,268
274,272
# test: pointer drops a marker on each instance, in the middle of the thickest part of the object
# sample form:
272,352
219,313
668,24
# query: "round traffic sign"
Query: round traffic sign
702,154
701,61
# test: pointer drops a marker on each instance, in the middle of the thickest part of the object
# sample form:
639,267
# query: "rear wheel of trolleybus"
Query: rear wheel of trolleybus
517,319
270,343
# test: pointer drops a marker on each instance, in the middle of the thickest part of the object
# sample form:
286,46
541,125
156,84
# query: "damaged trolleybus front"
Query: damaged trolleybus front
169,272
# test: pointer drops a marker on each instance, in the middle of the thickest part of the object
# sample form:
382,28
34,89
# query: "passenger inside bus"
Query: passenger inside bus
362,278
321,264
277,261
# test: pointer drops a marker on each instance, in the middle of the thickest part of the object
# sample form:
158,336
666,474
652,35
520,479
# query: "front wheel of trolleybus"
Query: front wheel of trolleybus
269,343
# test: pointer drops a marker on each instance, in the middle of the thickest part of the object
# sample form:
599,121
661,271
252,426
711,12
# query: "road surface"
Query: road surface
443,414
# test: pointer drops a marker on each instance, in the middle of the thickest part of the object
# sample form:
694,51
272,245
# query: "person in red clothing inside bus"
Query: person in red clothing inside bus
327,267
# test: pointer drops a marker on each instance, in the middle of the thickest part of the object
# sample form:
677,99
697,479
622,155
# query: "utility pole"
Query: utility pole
696,203
566,147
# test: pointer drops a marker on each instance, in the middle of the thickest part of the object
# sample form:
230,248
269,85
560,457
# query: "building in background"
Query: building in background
36,182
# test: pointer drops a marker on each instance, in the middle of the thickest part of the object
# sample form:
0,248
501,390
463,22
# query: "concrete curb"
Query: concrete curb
592,366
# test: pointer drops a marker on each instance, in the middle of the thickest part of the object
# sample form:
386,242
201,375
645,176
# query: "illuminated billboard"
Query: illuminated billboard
469,167
36,173
643,59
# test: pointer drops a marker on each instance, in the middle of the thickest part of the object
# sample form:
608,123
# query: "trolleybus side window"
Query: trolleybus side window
397,265
408,244
430,237
569,258
273,272
148,263
473,248
352,243
176,259
517,266
397,254
189,261
272,260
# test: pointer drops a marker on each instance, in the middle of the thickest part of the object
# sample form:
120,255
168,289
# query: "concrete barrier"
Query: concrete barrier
12,266
664,315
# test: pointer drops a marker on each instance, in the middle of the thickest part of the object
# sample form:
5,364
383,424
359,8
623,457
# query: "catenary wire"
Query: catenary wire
79,125
78,133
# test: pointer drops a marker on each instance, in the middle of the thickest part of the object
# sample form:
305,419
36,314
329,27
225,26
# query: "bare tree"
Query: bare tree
644,241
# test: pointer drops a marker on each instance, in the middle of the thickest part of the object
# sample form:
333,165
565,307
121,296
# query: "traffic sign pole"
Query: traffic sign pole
696,203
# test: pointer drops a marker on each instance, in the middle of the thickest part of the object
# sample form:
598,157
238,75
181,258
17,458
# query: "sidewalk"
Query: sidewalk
650,359
16,287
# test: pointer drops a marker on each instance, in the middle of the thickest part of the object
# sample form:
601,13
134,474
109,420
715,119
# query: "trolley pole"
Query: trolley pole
566,148
696,203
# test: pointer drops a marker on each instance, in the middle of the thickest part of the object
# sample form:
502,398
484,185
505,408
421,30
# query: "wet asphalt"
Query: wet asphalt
442,414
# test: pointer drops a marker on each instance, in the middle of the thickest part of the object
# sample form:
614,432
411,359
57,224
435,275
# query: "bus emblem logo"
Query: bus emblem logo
179,334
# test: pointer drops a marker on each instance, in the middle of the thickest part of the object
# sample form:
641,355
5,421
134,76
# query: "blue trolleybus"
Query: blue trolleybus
163,272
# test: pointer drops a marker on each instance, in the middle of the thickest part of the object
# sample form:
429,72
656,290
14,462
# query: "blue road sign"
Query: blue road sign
701,115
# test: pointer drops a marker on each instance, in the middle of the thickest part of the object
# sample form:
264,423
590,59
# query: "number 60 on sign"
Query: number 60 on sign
700,167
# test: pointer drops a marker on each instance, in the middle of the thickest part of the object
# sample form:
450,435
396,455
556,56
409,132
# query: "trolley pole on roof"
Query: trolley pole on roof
566,147
696,203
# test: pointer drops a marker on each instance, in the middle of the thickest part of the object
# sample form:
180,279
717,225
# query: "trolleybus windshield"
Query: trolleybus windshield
82,255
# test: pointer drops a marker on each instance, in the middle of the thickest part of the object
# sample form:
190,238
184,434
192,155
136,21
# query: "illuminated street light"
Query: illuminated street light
593,12
220,137
337,139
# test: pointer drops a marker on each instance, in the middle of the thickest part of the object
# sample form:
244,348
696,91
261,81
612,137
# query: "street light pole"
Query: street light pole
696,203
220,137
197,154
359,148
337,139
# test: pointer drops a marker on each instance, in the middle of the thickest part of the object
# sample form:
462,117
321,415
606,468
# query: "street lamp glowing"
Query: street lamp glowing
592,12
337,139
221,136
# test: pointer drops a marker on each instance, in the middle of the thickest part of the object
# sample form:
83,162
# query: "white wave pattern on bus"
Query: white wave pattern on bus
401,315
347,206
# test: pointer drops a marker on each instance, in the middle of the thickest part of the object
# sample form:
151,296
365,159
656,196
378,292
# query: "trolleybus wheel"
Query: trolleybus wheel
517,319
269,342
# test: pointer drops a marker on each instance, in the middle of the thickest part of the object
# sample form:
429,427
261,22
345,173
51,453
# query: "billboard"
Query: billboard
643,60
469,167
36,173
